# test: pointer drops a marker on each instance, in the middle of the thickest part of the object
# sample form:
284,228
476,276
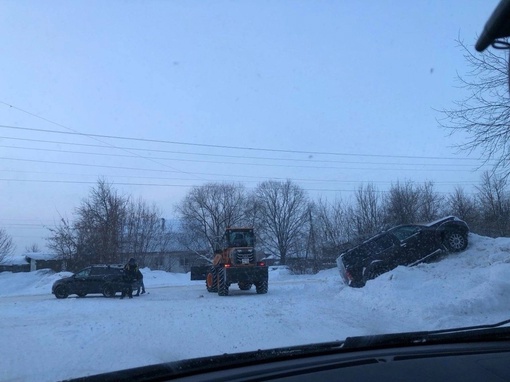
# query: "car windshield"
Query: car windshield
138,135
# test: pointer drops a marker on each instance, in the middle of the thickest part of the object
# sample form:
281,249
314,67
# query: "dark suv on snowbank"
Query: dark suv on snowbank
103,279
408,245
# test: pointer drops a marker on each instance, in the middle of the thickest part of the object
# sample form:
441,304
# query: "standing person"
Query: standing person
139,278
130,276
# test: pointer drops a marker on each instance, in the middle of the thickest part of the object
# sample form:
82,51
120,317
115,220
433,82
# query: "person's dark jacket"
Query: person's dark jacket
131,273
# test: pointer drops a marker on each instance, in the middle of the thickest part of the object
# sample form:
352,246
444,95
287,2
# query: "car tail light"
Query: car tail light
226,265
261,263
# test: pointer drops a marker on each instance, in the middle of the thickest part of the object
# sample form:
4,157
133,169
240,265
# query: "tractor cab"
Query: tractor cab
239,237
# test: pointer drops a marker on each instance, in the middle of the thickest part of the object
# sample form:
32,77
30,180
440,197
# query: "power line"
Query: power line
218,162
95,136
72,131
206,154
233,147
178,185
191,173
256,179
92,182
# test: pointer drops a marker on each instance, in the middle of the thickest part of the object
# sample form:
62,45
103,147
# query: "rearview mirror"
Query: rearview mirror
498,26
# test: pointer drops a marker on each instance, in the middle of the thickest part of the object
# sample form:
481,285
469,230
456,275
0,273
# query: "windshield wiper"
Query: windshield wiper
496,331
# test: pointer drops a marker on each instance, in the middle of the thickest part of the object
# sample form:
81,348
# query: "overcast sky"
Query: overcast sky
330,94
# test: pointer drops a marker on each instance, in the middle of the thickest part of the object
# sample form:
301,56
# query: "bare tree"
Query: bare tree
7,246
33,248
282,215
208,210
96,235
484,114
402,203
332,223
494,204
463,206
329,232
431,203
63,240
146,232
100,220
367,213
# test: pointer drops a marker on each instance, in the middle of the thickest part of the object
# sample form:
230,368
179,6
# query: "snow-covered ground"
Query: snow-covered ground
45,339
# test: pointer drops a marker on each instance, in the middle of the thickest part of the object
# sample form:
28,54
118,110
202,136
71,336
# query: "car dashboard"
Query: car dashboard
486,361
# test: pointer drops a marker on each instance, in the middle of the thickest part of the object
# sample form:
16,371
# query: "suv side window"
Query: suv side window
404,232
379,244
83,273
113,271
382,243
102,271
97,271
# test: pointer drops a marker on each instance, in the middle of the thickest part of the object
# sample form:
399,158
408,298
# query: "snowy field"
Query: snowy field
45,339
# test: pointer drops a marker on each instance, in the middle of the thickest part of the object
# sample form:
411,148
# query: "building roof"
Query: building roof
40,256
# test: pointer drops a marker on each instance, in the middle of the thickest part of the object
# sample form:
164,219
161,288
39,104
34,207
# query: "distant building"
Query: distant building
32,261
14,264
171,261
174,261
44,260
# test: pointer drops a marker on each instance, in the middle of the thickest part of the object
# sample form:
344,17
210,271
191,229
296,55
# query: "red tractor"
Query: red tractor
235,263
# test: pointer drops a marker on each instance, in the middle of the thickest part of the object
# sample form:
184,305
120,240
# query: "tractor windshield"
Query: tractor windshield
240,238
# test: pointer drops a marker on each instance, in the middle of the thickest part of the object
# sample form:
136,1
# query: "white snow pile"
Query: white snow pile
46,339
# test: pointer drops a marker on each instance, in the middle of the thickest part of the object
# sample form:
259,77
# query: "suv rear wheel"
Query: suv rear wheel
108,290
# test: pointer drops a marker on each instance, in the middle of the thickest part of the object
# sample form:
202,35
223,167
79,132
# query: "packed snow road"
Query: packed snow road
46,339
82,336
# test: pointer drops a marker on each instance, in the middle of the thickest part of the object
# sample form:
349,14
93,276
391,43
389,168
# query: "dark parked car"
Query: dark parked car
408,245
104,279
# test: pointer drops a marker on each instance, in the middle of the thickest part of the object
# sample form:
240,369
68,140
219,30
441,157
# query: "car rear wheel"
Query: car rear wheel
108,290
455,241
61,291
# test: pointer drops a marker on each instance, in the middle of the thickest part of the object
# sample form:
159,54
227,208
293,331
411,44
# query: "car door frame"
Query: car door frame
80,283
417,246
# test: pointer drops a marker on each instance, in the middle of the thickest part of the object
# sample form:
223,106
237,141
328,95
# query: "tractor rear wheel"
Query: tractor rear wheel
261,287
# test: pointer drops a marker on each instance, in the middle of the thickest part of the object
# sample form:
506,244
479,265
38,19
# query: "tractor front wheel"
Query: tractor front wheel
211,281
222,283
